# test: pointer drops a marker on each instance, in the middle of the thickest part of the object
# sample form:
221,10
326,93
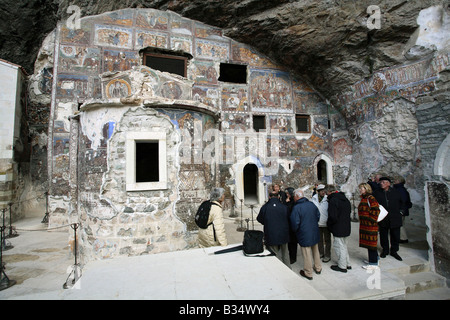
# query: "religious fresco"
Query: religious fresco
119,17
306,102
79,36
72,86
249,56
270,91
113,36
118,88
117,60
152,19
171,90
234,98
282,123
181,43
234,122
155,39
204,72
180,25
208,49
79,59
366,99
205,31
206,95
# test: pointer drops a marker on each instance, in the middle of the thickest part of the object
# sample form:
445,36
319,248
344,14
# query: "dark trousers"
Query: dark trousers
373,256
325,242
394,235
292,248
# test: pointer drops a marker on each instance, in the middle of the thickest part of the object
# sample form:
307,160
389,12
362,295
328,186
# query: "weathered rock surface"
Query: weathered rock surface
325,42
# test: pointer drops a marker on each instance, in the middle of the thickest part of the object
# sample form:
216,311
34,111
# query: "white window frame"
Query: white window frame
132,138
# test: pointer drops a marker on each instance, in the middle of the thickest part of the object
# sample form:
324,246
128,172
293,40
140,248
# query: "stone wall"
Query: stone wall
438,219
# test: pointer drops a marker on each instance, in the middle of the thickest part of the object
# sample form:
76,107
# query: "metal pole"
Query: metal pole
5,282
241,228
45,219
76,267
3,241
11,233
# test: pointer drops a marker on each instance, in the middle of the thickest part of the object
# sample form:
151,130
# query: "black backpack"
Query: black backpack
202,215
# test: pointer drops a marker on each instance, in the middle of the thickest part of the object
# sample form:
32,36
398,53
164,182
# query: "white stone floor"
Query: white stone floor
40,263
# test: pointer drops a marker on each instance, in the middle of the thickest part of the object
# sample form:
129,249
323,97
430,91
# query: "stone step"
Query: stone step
421,281
411,265
431,294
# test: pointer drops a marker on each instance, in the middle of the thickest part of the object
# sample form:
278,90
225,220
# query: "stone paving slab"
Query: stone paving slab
196,274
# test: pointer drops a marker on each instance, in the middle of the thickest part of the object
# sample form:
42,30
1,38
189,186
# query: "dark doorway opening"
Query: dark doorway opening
147,161
251,184
322,171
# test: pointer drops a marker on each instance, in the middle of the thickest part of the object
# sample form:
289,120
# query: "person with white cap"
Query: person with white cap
320,200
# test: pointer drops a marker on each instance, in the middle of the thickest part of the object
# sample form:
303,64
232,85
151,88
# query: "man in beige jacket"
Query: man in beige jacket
216,224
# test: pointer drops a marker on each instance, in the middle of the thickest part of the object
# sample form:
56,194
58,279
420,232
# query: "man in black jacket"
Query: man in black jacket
392,201
274,216
339,209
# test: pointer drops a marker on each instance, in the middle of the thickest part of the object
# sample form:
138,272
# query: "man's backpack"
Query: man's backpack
202,215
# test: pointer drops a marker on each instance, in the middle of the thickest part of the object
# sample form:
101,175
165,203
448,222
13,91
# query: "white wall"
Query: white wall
9,102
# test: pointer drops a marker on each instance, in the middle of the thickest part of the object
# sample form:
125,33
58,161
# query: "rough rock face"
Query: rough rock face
326,42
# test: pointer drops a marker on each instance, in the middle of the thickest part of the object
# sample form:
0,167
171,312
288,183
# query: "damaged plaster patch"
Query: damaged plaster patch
92,123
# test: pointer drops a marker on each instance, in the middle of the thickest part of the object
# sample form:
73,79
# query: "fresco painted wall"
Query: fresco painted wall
100,82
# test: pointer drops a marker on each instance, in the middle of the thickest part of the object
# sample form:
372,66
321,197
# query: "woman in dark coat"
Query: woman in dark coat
368,211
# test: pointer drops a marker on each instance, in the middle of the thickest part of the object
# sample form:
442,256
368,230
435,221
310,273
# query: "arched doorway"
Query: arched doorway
322,171
323,167
250,183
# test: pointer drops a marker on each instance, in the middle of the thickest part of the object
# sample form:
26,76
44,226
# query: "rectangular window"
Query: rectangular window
235,73
147,161
302,123
166,63
259,123
146,167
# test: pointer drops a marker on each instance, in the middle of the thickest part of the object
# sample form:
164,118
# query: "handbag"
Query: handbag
383,211
252,246
253,242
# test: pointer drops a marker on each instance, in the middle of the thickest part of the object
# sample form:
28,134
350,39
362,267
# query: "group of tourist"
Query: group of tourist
290,219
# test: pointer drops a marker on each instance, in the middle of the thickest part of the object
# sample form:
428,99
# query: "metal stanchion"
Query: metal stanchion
45,219
12,232
4,245
5,282
76,270
253,223
241,228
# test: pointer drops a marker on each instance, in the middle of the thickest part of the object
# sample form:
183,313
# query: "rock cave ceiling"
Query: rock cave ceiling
326,43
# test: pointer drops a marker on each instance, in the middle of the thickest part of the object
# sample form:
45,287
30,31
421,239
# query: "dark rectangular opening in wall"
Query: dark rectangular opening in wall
259,123
302,123
236,73
147,161
166,63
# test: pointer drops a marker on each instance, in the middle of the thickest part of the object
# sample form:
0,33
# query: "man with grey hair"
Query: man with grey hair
214,234
305,223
